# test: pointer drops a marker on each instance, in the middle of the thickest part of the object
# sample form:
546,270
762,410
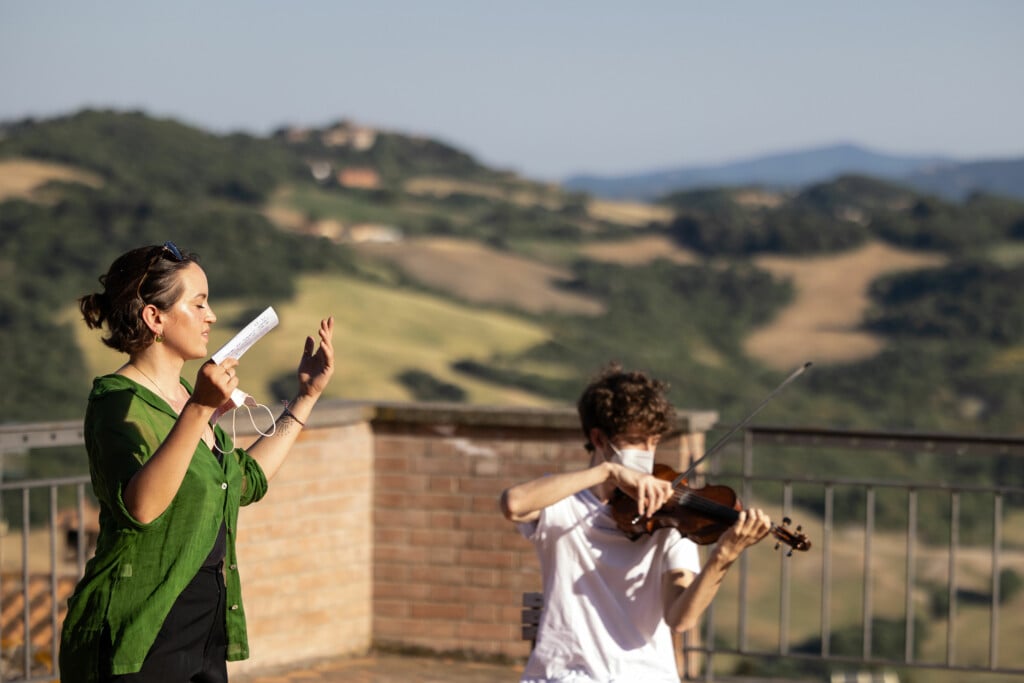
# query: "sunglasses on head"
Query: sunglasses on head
170,251
173,250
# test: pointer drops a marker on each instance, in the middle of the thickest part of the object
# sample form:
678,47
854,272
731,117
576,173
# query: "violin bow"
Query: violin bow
721,442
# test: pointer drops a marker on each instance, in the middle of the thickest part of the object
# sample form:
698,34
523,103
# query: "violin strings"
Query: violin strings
704,505
711,508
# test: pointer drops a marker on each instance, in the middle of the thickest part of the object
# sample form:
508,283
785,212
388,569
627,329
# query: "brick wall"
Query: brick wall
306,550
383,528
449,570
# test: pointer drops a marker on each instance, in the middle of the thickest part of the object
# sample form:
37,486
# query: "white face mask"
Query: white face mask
240,399
634,458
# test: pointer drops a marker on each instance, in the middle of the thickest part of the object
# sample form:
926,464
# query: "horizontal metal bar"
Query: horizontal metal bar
912,441
23,437
859,661
44,483
880,483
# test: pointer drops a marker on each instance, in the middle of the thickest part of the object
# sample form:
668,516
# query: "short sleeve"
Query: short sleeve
681,553
559,514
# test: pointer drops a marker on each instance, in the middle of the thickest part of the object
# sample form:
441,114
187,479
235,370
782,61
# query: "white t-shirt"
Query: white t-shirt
603,616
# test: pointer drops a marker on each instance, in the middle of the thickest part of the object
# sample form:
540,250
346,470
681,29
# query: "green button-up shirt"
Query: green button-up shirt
139,570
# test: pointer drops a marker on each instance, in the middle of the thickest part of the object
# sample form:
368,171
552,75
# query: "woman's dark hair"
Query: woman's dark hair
143,276
617,401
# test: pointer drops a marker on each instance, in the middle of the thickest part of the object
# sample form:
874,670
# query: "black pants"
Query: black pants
192,644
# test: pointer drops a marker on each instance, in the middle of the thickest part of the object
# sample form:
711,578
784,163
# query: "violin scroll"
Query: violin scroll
794,539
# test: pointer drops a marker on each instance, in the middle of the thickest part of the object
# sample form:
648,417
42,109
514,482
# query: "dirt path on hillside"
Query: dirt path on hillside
831,300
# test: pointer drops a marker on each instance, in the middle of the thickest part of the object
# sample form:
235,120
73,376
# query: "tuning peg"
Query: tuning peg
786,521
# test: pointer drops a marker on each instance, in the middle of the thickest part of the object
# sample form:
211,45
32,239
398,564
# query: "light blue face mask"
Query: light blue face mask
638,459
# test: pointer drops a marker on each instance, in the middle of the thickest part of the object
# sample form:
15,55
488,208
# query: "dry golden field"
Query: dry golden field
522,194
823,322
638,251
476,273
22,177
636,214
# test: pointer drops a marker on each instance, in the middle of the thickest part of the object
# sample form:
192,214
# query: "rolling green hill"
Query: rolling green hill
927,336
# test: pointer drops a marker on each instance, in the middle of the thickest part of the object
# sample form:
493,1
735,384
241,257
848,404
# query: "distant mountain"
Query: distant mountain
935,174
956,181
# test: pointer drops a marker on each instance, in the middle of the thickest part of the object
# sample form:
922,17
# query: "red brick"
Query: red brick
439,610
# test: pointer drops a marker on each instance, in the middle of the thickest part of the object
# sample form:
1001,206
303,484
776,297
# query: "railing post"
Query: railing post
997,536
868,609
910,582
954,540
826,572
54,624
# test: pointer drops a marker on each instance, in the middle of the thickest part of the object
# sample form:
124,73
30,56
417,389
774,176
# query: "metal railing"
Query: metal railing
938,571
29,648
35,581
931,556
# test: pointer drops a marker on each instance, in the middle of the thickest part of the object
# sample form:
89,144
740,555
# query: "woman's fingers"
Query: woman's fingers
214,383
227,378
316,368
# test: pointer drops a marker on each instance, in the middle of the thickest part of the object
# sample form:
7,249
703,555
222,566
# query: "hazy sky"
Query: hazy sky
543,88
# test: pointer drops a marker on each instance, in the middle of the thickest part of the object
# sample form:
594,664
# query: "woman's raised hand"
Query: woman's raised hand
315,369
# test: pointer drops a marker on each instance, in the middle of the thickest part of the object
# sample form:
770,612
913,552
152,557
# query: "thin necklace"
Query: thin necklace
153,382
209,439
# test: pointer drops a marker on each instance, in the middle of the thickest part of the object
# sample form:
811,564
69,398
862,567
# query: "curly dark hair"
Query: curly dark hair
617,401
143,276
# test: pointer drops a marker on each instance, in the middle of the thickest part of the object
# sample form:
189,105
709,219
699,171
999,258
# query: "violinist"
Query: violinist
611,603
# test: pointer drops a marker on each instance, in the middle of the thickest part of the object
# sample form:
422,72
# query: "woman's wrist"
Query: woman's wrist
287,413
299,409
201,409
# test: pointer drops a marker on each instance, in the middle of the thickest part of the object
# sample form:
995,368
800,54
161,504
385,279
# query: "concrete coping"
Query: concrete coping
340,413
557,418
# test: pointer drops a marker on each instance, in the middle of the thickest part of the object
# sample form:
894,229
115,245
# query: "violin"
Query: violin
701,515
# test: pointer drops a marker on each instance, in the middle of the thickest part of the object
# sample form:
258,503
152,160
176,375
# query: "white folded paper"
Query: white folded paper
243,341
250,334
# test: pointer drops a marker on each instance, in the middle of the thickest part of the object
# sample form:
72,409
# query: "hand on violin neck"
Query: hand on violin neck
751,526
649,492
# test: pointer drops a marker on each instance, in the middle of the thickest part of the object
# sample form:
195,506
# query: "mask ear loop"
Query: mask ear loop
252,420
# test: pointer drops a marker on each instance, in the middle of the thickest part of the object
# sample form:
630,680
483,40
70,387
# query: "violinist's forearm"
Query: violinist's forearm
684,608
687,605
523,502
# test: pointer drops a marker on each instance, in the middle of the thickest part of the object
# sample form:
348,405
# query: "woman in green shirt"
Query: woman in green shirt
160,600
